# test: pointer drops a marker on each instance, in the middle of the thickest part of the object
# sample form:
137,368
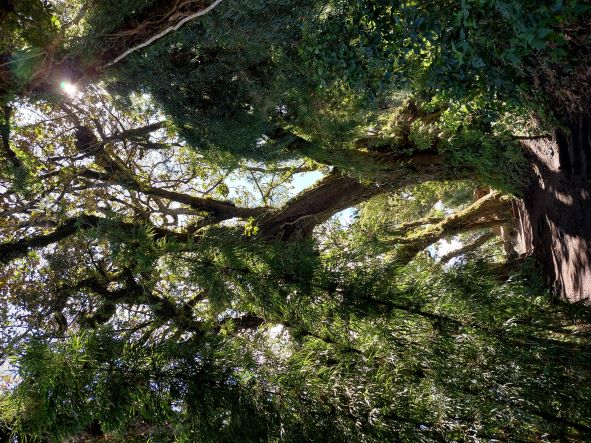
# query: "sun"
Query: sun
68,88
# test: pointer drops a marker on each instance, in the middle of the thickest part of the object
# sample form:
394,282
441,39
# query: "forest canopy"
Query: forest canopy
295,220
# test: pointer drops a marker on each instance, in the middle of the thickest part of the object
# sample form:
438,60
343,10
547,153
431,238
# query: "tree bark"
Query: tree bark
555,215
296,220
5,135
339,191
379,166
298,217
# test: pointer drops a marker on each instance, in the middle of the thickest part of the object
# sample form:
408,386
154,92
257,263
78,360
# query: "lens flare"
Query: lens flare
68,88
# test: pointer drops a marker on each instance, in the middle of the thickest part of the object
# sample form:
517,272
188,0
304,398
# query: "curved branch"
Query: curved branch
339,191
334,193
404,228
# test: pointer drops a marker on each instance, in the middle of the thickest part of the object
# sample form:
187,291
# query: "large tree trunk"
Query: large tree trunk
555,217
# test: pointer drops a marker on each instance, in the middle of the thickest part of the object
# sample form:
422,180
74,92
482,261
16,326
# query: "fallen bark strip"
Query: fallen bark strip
163,33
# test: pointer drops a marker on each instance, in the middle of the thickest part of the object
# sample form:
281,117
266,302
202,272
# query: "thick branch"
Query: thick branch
332,194
491,210
339,191
20,248
404,228
5,134
136,132
380,166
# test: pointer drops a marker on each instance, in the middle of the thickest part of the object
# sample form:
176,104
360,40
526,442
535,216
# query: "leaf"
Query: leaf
512,58
478,63
543,32
538,44
55,21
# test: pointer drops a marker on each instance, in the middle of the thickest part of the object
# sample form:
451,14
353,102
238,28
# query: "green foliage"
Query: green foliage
101,379
29,23
135,248
420,356
222,79
27,33
327,74
263,275
496,158
412,203
463,50
170,321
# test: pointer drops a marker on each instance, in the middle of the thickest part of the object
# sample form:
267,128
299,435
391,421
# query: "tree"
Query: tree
159,279
490,80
